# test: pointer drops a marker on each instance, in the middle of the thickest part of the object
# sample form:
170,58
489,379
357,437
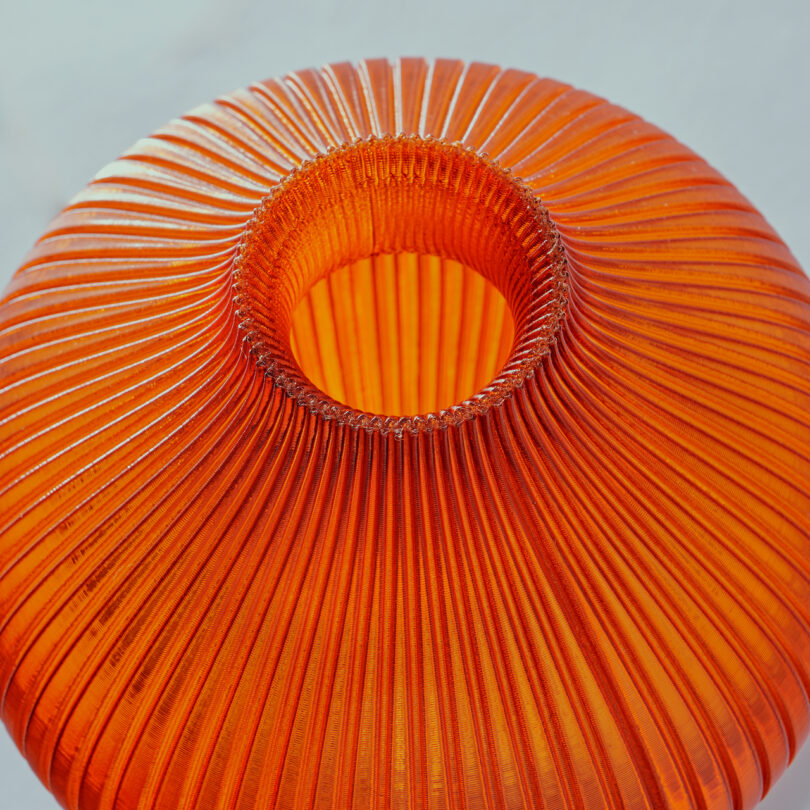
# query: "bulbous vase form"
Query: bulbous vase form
406,436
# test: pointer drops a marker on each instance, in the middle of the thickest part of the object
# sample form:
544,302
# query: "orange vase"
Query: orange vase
410,436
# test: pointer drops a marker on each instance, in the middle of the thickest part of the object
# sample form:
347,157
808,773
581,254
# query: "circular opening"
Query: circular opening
402,334
337,275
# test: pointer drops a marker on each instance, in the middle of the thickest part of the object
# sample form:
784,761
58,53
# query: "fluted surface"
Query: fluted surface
588,588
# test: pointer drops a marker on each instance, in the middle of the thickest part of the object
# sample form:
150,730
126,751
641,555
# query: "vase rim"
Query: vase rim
273,269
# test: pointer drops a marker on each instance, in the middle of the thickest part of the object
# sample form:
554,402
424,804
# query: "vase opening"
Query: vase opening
400,283
402,333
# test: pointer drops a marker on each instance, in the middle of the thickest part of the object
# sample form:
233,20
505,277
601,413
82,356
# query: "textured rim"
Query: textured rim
543,294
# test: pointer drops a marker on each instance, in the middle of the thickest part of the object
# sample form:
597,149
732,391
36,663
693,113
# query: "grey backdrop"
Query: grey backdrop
80,81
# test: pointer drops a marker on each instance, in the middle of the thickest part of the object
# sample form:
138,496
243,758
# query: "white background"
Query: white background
81,80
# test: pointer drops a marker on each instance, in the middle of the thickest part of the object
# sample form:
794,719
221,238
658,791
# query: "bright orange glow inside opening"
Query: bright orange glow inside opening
402,334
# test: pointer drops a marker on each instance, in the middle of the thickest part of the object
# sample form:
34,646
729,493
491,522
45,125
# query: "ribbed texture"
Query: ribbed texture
594,594
402,333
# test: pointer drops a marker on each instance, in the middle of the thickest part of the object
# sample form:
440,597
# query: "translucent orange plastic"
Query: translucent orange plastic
412,436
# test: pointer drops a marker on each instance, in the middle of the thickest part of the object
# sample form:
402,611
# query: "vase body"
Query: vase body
406,435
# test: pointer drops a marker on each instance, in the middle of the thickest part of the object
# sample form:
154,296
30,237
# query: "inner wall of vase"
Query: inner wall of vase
402,333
